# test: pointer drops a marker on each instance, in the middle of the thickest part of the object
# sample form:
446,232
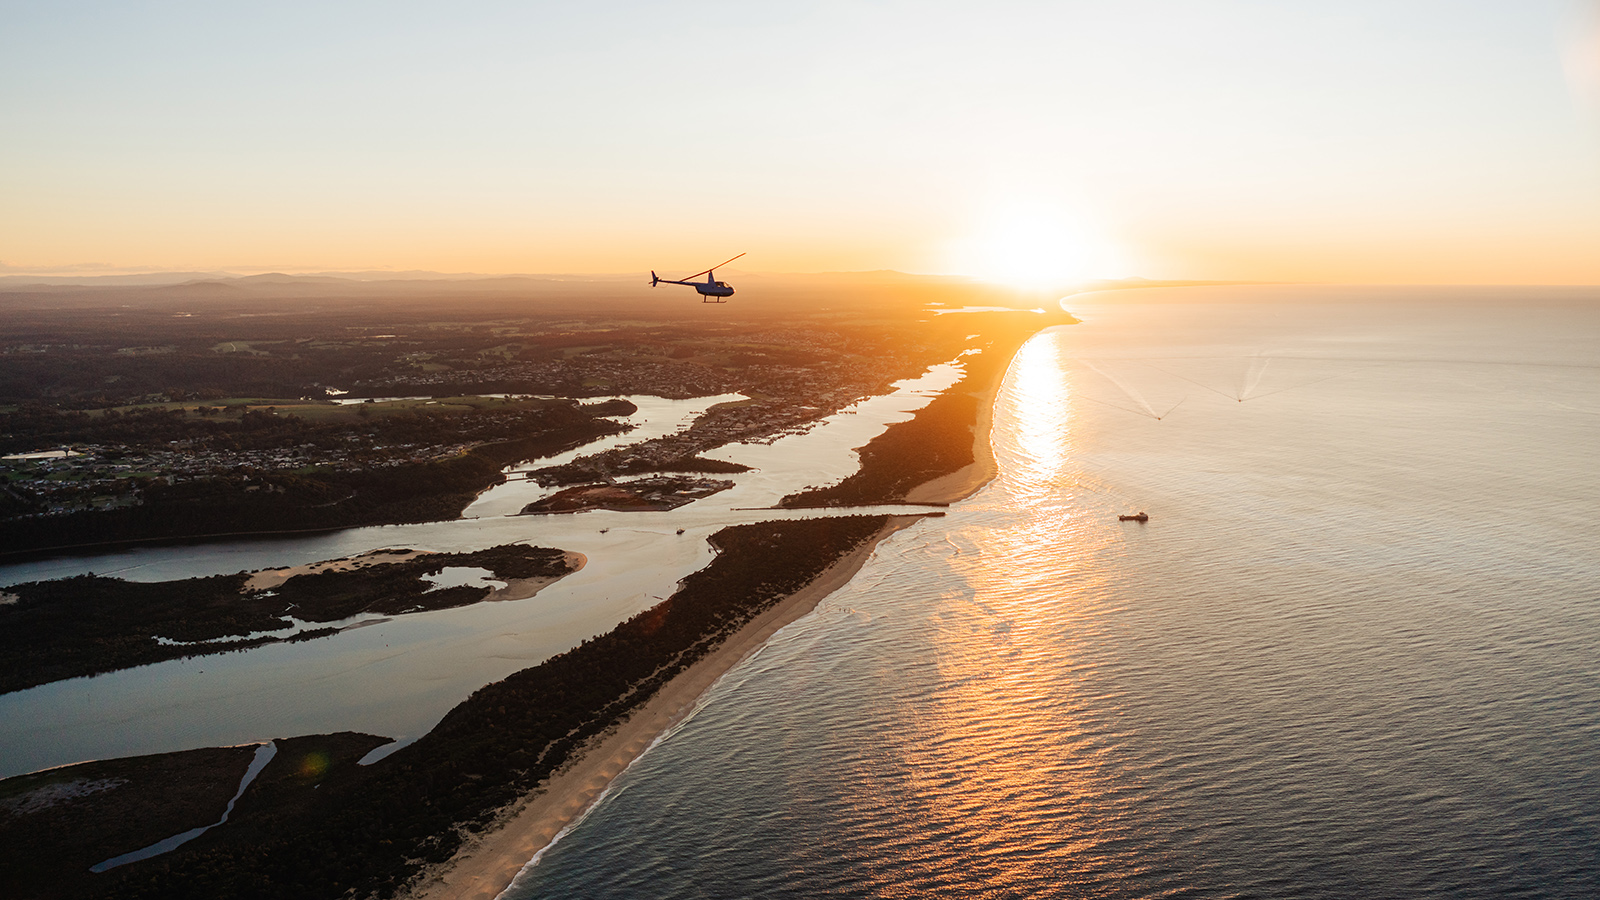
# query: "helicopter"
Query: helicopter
710,288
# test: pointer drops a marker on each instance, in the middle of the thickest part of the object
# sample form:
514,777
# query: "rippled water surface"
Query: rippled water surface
1353,653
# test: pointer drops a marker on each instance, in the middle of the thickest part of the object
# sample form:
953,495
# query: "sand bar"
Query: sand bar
523,588
515,589
267,579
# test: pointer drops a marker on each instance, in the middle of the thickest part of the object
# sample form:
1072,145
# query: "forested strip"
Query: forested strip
89,625
937,441
368,834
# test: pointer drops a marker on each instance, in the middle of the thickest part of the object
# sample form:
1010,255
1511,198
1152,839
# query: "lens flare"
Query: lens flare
1581,55
313,765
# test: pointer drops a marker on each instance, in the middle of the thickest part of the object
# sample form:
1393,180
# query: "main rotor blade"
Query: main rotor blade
712,269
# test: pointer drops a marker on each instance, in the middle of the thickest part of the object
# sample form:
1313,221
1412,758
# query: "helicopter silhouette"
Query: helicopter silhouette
708,289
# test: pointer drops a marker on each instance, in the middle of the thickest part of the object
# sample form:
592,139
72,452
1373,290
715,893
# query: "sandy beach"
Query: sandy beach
485,865
965,481
523,588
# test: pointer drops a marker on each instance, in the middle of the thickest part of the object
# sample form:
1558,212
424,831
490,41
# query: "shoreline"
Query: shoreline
969,479
487,864
523,588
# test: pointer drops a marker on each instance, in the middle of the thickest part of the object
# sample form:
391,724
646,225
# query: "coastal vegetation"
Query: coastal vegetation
662,492
90,624
55,824
365,831
937,441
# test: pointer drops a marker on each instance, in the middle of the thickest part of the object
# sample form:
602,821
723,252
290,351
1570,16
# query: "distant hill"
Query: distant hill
8,282
433,296
878,276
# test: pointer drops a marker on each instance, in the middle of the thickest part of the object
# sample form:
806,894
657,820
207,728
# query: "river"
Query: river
397,677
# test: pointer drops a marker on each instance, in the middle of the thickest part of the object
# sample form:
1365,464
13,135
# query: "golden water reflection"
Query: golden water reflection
1013,714
1034,409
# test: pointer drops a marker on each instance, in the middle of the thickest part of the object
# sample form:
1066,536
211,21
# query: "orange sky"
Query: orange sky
1029,142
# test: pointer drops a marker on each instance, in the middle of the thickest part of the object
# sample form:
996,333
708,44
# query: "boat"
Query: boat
1136,517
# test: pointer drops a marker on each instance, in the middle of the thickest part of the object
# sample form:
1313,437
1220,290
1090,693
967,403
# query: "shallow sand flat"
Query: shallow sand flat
523,588
485,865
515,589
267,579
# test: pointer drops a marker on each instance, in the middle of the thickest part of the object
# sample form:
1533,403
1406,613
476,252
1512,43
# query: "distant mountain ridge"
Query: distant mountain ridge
171,279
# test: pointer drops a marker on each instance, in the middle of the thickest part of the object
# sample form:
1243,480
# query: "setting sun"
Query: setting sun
1033,245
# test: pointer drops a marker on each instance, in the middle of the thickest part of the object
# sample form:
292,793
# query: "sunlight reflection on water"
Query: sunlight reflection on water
1350,654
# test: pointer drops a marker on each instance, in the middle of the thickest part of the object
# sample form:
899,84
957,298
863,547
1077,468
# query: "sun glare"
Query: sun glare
1581,55
1033,246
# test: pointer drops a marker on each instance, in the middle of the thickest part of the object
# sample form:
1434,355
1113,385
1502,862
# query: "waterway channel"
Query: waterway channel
397,677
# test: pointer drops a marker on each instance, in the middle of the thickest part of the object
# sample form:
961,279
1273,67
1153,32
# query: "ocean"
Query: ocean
1353,652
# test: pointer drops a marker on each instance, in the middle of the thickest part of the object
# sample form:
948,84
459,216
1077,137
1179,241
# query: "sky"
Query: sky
1423,141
